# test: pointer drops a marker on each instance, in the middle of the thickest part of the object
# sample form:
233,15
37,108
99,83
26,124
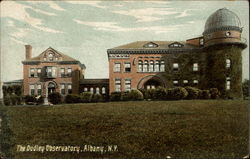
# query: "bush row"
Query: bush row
160,93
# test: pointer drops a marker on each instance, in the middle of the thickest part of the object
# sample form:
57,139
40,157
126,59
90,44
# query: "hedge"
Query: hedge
55,98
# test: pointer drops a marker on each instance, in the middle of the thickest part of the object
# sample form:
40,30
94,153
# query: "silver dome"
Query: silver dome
222,18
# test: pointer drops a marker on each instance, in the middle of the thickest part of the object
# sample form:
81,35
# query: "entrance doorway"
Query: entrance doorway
51,88
152,84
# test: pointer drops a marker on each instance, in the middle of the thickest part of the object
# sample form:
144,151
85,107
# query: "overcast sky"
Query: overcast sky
85,30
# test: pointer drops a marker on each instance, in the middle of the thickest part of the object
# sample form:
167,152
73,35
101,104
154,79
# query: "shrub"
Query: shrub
160,93
28,99
135,94
86,97
115,96
97,98
215,93
177,93
149,93
6,100
55,98
204,94
40,100
14,99
125,96
193,93
72,98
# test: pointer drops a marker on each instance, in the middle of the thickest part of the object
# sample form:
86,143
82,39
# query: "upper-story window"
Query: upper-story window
32,72
127,67
62,72
69,72
195,81
176,45
117,67
150,45
145,66
97,90
195,67
151,66
175,66
185,81
103,90
51,71
157,66
50,56
228,63
175,82
140,66
62,87
162,67
201,41
39,72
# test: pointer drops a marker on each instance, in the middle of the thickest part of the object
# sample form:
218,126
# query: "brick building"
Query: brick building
51,71
212,60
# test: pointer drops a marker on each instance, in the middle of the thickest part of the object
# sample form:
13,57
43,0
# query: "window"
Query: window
62,86
195,67
228,33
175,66
117,67
69,88
51,71
50,57
228,83
39,72
85,89
69,72
175,82
185,81
127,84
162,66
127,67
44,58
39,89
32,89
92,90
97,90
201,41
151,66
103,90
118,85
195,82
157,66
62,72
56,58
32,72
228,63
145,66
140,66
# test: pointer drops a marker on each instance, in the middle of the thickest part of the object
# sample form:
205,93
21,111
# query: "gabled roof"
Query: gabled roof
50,49
160,45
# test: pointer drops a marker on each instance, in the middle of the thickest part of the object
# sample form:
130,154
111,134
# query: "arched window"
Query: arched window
195,67
85,89
92,90
103,90
162,67
140,66
151,66
157,66
97,90
50,57
228,63
145,66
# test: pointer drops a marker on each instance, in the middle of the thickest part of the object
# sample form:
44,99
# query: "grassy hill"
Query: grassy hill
146,129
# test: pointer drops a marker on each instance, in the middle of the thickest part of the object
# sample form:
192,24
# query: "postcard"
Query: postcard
124,79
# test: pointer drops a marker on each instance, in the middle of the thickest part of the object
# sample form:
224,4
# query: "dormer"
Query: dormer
150,45
175,45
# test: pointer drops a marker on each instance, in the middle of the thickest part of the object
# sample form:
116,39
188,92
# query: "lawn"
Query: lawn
143,129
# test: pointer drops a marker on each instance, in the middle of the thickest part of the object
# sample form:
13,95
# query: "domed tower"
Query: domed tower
223,44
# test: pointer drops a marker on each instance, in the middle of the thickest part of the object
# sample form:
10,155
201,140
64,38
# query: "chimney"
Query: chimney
28,49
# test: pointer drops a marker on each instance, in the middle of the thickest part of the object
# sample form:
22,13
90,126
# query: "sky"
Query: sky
85,30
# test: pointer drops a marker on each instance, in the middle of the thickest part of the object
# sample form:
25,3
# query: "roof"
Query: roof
160,45
222,18
94,81
20,81
50,49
